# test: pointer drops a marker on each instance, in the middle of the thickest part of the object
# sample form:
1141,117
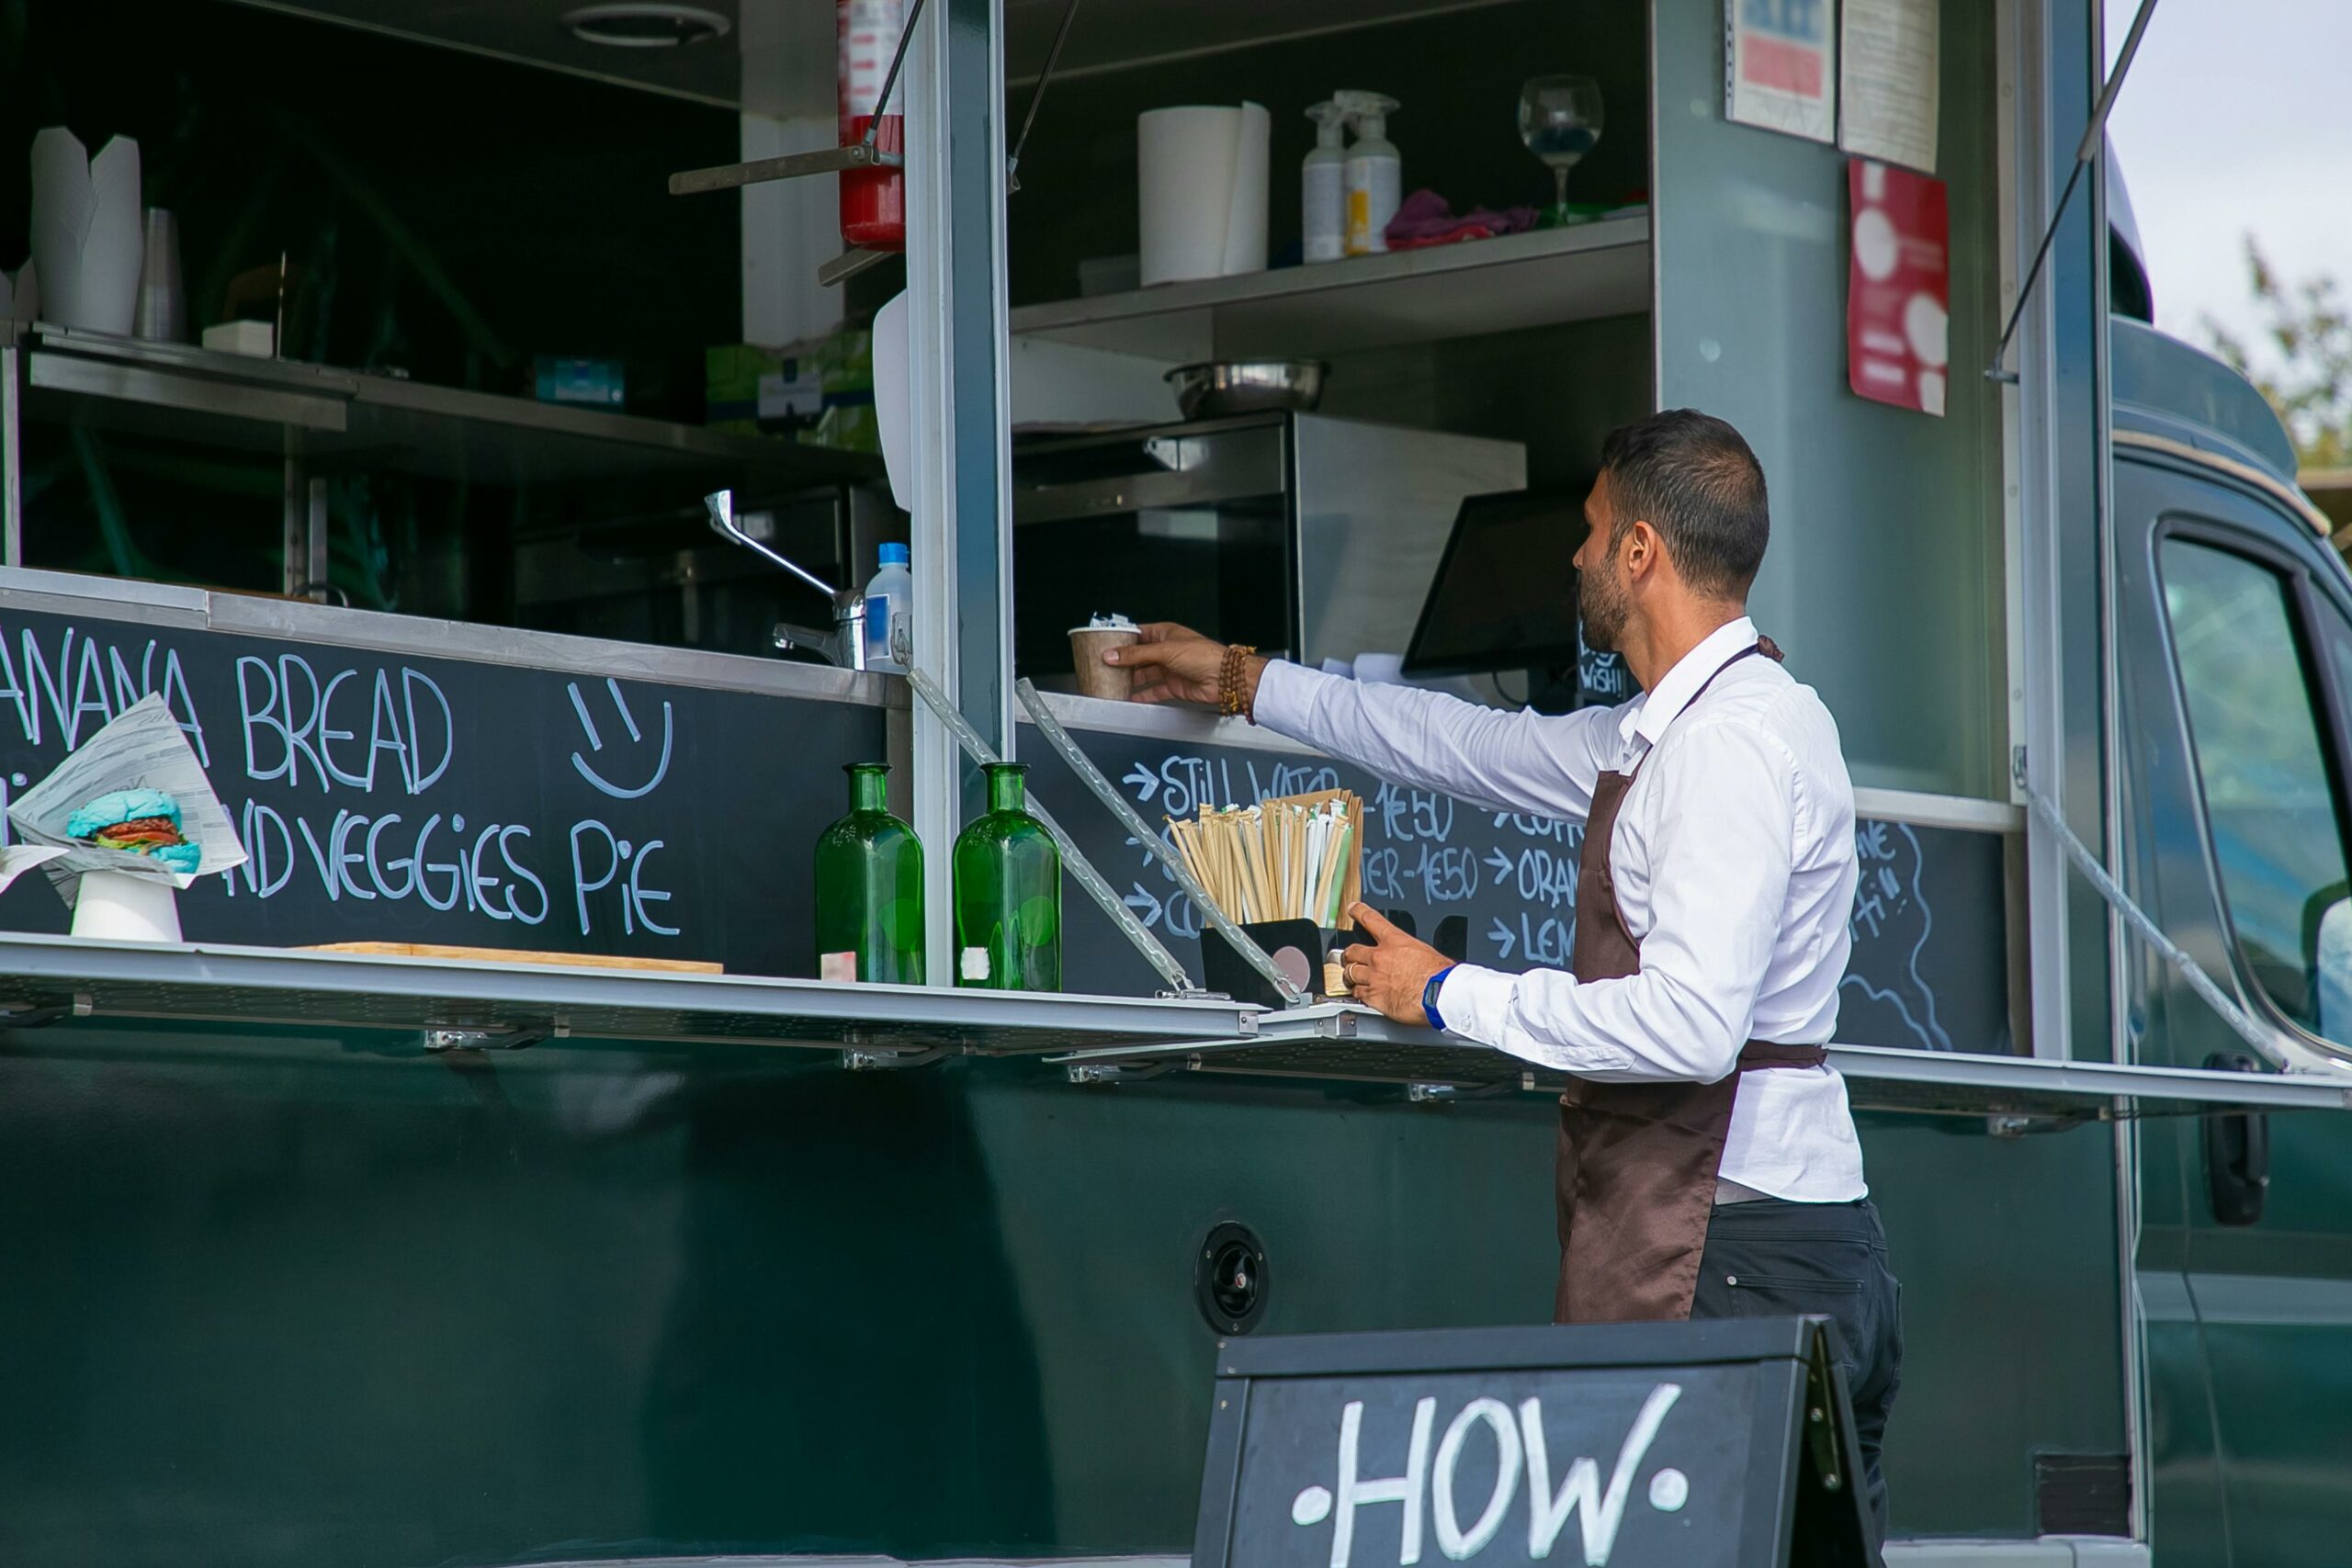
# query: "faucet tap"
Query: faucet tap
845,644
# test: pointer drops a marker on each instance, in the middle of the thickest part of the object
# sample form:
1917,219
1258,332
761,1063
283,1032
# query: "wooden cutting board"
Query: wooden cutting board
516,956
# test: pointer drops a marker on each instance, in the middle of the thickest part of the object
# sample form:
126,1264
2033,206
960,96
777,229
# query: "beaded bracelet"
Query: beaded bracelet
1229,700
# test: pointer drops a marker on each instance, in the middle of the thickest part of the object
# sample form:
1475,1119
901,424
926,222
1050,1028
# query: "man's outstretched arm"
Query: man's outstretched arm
1521,762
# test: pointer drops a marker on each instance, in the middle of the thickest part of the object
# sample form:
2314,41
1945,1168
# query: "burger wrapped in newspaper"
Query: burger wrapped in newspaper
139,822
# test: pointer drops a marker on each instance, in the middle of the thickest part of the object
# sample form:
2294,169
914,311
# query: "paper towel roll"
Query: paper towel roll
87,242
1201,176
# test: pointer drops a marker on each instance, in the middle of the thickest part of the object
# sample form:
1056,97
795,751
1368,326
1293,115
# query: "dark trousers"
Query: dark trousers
1772,1258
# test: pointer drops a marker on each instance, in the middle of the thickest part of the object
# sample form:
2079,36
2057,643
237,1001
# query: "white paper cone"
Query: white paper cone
64,207
87,240
112,907
20,299
117,246
1186,163
1245,221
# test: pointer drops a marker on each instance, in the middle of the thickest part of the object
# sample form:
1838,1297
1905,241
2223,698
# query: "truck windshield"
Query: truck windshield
2271,797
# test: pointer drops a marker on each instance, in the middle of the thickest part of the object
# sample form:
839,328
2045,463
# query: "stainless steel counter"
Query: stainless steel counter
195,609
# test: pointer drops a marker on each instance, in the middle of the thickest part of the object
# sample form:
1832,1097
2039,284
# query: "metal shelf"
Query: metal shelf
53,979
1505,284
340,417
1344,1042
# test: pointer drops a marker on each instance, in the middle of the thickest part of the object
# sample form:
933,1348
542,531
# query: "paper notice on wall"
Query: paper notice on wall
1887,74
1781,65
1898,287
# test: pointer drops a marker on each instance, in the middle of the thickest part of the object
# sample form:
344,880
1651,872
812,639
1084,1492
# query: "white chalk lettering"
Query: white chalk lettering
28,712
1452,1538
1353,1491
261,826
376,869
581,886
1579,1493
455,885
365,780
521,872
479,887
320,857
422,778
36,670
343,857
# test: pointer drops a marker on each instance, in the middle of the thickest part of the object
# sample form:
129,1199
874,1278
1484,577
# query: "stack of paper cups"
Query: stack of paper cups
1202,178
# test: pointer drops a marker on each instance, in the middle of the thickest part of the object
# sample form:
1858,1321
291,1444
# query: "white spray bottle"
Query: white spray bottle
1376,172
1323,187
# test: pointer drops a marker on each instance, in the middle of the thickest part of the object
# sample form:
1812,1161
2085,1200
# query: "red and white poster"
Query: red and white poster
1898,287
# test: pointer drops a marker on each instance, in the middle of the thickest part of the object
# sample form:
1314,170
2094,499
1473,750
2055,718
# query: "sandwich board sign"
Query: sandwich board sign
1696,1445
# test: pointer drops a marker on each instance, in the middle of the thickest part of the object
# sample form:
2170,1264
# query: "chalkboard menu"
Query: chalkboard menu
391,798
1929,970
1682,1445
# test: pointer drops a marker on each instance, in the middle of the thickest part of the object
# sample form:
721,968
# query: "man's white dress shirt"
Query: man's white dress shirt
1734,859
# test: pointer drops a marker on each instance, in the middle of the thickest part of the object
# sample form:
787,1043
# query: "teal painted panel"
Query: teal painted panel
279,1301
1883,580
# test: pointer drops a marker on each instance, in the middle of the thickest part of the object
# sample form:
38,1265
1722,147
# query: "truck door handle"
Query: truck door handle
2237,1154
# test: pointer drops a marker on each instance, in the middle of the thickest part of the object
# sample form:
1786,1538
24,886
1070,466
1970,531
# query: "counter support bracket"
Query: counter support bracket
42,1014
1108,793
1154,950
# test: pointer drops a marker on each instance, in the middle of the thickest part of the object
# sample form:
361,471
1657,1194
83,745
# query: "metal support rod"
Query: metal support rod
898,62
1154,950
790,166
317,552
1108,793
294,523
863,153
12,513
849,264
1053,58
2265,1042
2085,152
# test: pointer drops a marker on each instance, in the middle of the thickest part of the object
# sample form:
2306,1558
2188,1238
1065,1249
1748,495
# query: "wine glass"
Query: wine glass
1559,119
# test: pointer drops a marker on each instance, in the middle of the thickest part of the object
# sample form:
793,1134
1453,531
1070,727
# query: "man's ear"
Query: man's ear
1642,548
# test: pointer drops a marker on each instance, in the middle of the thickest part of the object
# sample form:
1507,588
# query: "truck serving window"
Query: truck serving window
2270,800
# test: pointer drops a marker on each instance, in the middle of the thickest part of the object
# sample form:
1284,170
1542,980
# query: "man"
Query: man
1708,1164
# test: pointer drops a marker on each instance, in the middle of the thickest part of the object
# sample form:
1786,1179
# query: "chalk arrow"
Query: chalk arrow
1501,937
1147,783
1499,863
1146,906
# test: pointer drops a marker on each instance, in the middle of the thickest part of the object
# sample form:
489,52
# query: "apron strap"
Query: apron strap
1758,1053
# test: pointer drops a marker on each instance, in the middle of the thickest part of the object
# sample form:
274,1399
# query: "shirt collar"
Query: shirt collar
1662,707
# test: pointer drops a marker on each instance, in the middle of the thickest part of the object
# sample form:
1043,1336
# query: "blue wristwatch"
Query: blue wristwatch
1429,996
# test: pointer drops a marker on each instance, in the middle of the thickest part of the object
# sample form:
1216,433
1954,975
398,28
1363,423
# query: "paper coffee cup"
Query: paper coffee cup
1096,679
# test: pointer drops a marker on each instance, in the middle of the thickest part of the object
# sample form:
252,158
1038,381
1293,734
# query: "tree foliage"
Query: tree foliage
2305,365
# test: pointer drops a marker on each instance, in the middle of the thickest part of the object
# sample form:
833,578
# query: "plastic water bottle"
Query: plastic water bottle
889,607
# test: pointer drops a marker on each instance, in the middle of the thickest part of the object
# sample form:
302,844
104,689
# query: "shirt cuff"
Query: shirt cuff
1285,697
1475,1003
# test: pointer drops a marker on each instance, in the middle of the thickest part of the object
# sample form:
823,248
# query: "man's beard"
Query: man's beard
1600,600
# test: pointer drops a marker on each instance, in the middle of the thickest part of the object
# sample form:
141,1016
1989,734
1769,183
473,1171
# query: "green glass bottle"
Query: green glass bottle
869,888
1008,893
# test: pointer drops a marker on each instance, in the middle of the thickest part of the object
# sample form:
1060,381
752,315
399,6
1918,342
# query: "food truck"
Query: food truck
488,1174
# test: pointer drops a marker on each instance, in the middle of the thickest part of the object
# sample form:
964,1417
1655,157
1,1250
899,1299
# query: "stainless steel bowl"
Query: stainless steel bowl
1246,386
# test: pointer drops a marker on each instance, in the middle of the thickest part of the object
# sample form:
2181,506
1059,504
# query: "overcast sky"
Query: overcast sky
2237,117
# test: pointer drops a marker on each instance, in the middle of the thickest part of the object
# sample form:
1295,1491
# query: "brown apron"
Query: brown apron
1638,1160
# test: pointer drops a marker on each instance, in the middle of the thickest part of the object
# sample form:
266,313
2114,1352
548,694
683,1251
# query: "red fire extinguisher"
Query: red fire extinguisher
873,201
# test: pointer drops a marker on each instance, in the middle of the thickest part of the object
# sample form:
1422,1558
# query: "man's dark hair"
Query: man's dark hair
1692,478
